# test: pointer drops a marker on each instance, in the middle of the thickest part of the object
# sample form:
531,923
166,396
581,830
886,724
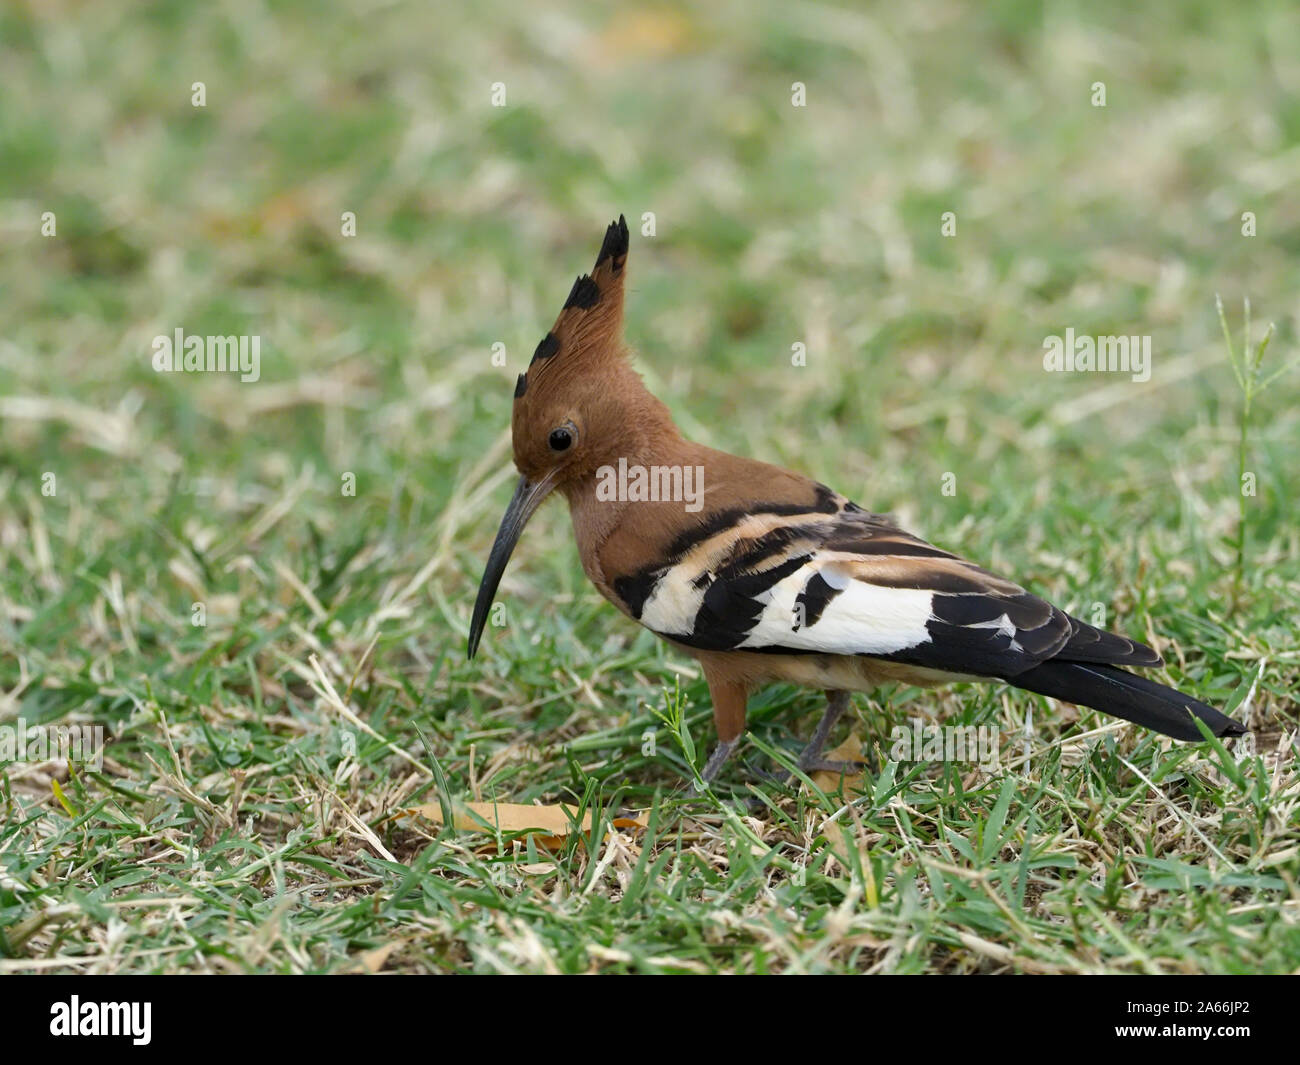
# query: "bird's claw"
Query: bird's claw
834,765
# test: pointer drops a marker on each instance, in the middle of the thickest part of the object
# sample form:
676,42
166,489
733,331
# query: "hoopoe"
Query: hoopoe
767,575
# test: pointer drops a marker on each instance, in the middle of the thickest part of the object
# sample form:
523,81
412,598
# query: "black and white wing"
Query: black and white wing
838,580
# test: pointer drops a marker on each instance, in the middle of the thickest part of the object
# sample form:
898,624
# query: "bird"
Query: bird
766,576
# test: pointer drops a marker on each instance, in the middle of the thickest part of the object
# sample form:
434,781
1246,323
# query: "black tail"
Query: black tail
1134,698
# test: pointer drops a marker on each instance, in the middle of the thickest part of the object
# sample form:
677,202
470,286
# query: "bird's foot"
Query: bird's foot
767,776
836,703
833,765
716,761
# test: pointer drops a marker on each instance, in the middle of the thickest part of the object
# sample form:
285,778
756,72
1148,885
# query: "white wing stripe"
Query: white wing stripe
674,601
862,619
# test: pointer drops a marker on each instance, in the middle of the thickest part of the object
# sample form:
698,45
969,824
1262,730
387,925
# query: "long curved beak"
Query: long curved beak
528,495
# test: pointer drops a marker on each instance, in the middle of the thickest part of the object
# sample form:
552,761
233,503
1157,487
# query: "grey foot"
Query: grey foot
716,761
810,758
836,703
832,765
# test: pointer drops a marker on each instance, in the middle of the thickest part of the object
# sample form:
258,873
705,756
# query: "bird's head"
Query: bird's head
579,406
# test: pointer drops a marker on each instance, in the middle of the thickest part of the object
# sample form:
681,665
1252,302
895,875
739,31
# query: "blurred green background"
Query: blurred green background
774,225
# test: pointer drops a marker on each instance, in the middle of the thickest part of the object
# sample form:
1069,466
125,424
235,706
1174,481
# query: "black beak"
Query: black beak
526,499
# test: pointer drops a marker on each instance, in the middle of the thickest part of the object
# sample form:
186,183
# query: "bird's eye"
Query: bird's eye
561,438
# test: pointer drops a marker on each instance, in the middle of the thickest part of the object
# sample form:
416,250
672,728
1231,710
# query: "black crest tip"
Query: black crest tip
521,386
615,244
548,346
585,294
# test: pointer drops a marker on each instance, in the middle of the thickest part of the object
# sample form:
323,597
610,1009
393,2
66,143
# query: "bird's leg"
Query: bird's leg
810,759
718,758
729,700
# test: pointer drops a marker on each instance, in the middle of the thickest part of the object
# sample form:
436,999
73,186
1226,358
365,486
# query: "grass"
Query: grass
243,818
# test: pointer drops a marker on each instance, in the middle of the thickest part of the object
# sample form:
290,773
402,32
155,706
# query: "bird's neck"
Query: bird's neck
608,496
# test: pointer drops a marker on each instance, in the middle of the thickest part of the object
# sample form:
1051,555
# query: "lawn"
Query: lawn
260,590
